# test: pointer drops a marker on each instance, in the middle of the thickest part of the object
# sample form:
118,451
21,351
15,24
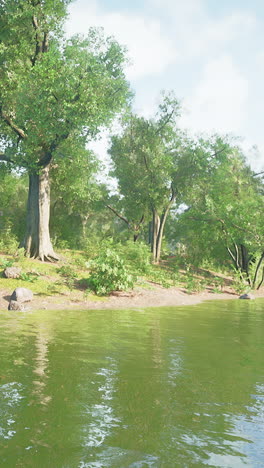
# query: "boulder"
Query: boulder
247,296
22,295
12,272
14,305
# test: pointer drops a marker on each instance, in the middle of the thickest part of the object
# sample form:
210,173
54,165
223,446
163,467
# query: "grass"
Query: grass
69,276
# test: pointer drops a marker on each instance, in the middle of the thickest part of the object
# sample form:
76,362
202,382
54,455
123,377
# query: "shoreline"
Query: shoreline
139,298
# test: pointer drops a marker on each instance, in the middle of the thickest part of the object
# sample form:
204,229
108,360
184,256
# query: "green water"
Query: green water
174,387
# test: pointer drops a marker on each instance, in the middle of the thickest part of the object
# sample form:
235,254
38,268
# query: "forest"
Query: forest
177,204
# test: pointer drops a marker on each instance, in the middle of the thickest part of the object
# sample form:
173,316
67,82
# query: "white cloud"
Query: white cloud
148,47
198,51
219,101
215,34
195,32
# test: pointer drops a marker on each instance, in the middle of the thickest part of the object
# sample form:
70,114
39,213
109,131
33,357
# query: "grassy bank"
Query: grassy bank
70,276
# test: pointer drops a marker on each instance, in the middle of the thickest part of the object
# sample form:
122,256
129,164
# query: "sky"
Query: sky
210,52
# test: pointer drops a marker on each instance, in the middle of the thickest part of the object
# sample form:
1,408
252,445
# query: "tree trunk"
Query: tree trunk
37,243
155,228
84,221
160,233
257,271
150,234
158,225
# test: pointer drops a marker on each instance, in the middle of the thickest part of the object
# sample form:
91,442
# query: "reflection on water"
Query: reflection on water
10,396
101,414
157,388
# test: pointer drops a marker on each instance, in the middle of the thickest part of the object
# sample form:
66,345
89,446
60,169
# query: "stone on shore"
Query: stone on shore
12,272
247,296
14,305
22,295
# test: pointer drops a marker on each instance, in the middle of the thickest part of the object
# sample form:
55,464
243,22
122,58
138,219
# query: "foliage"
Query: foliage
76,194
69,275
13,192
218,225
137,255
29,277
45,119
163,277
8,241
144,164
5,263
109,273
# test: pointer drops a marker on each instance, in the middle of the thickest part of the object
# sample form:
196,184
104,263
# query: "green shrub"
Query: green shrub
137,255
4,263
193,284
69,275
29,277
109,273
8,242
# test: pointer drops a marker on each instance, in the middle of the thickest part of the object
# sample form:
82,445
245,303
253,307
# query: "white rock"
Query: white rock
22,295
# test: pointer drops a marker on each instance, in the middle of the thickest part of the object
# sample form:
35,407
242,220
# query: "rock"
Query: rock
14,305
247,296
12,272
22,295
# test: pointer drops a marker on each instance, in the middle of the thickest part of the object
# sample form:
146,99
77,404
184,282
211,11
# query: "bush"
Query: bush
4,263
69,274
137,255
8,242
109,273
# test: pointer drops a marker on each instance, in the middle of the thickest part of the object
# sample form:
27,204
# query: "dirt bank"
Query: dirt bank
155,296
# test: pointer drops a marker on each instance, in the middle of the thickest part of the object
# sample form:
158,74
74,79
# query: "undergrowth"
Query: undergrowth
112,266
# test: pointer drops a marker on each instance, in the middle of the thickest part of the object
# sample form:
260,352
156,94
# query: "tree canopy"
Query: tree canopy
51,89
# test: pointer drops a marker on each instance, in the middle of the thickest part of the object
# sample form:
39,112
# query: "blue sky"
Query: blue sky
211,53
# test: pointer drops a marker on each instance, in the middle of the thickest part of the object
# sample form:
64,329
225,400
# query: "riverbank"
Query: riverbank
65,286
153,296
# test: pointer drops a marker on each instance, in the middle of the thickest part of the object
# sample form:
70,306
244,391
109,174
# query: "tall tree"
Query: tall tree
156,165
144,165
50,90
224,216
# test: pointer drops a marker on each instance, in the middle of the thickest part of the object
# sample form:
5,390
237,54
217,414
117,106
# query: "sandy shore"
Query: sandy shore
156,296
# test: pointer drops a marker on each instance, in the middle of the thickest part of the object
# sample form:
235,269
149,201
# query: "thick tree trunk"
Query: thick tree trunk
37,243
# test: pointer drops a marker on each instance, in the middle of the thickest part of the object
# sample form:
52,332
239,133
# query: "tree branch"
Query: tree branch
12,125
218,152
141,220
48,152
45,42
38,47
118,214
167,120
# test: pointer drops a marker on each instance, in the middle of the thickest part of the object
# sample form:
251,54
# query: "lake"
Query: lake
171,387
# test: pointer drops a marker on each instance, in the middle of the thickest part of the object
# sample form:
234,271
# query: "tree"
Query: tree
122,207
13,193
76,193
144,163
51,90
224,214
